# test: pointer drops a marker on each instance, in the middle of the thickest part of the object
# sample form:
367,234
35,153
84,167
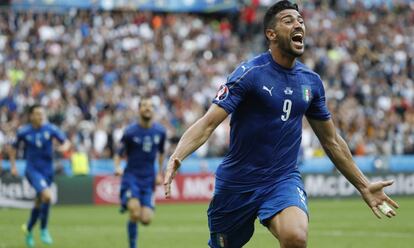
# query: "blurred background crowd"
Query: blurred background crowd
89,69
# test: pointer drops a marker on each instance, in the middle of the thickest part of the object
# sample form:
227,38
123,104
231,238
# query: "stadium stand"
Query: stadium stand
91,73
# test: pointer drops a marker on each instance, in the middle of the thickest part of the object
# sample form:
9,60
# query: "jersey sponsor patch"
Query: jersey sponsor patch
222,93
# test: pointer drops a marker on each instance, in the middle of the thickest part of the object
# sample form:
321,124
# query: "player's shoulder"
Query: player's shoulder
158,127
308,73
132,127
249,68
51,126
24,129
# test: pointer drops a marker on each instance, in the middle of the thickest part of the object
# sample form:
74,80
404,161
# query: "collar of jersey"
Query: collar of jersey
281,68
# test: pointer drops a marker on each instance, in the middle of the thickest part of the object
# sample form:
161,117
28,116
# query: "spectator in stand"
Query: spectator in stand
90,73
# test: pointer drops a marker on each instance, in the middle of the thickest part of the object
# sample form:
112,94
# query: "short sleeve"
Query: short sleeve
57,133
234,90
122,145
318,108
19,137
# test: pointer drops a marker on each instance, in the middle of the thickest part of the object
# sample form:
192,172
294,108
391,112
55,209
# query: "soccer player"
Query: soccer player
141,142
268,97
38,137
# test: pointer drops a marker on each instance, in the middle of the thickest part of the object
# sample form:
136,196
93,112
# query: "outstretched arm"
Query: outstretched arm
12,151
338,151
159,177
117,165
65,146
192,139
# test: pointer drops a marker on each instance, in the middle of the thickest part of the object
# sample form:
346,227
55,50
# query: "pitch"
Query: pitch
333,223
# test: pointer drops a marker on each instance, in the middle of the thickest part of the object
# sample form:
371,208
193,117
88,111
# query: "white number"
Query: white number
287,107
147,144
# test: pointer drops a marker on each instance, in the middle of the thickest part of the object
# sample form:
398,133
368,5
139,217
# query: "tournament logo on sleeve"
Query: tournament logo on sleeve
222,93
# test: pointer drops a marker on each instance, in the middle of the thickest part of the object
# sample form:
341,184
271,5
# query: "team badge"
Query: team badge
288,91
222,240
43,183
307,93
222,93
128,194
157,139
46,135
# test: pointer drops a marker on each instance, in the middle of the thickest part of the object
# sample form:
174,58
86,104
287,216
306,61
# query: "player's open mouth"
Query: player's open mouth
297,39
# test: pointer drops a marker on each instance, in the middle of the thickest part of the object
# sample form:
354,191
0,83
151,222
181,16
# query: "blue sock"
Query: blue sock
44,215
33,218
132,234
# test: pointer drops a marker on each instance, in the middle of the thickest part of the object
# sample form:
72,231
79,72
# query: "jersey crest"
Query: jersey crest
157,139
307,93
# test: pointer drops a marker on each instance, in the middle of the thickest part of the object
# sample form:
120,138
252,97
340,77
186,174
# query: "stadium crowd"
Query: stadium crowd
89,69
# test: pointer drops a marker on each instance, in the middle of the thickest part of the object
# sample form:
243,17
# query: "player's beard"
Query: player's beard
146,117
37,122
286,45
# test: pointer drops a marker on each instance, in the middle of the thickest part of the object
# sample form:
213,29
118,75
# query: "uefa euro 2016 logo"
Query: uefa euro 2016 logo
222,93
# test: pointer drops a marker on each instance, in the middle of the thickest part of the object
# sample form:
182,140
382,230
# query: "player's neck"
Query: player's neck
283,59
145,123
37,126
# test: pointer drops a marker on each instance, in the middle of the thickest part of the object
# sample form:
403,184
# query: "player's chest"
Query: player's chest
145,141
38,139
285,96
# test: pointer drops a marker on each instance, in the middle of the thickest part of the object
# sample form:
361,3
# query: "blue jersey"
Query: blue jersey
38,146
267,103
141,146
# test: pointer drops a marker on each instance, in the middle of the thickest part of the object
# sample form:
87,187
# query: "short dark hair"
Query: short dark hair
144,98
33,107
269,18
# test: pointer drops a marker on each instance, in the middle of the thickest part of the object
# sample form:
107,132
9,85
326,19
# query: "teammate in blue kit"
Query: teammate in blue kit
268,97
141,142
38,137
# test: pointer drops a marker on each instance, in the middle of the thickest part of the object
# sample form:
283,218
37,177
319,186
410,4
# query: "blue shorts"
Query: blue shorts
130,188
38,181
231,215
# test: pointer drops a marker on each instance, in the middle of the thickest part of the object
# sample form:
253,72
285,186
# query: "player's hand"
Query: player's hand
63,147
60,149
14,171
377,200
173,165
159,179
119,172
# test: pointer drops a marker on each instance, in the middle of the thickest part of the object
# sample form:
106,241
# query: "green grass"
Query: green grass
333,223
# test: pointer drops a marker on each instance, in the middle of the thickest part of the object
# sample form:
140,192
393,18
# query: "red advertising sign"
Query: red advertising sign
106,189
185,188
188,188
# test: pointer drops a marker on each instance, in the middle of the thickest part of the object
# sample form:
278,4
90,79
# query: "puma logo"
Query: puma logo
268,90
243,67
